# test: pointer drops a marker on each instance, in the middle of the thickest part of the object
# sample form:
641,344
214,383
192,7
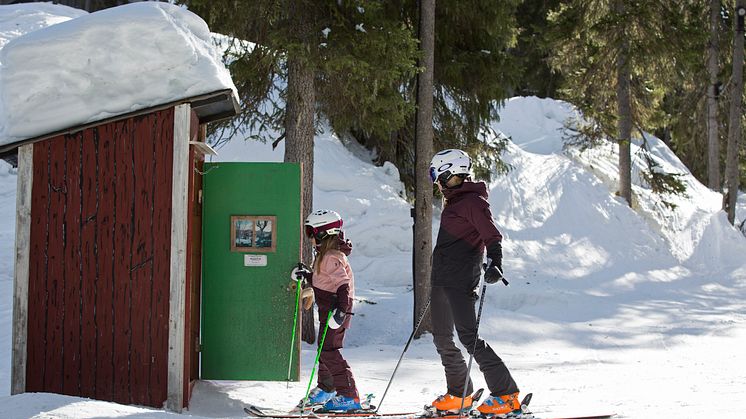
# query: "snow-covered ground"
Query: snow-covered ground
636,311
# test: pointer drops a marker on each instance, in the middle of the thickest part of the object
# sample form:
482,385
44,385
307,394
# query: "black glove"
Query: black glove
493,274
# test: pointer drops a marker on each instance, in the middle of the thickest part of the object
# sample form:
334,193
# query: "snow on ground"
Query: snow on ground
609,308
602,315
7,243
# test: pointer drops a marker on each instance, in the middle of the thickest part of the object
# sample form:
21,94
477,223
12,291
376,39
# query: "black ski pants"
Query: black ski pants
451,307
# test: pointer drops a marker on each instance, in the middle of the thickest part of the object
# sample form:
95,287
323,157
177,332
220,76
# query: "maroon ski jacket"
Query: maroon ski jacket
466,229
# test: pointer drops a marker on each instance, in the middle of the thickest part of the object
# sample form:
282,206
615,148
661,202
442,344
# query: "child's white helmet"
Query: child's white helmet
449,163
323,223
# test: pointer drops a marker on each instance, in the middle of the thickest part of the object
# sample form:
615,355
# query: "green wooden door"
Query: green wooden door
251,242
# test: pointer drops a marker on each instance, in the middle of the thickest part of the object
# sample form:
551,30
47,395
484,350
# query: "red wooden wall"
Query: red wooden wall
100,262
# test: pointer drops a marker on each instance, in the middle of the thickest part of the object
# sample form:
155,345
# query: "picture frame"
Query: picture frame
253,233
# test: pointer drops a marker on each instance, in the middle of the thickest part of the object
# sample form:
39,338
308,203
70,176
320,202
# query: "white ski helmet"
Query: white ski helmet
323,223
449,163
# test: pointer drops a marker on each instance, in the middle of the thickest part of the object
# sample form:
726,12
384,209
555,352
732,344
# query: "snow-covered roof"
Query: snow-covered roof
19,19
105,64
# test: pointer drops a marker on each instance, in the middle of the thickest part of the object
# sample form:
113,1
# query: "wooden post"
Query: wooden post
21,277
179,222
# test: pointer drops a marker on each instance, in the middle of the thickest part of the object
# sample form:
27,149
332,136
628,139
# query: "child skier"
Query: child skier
333,286
466,229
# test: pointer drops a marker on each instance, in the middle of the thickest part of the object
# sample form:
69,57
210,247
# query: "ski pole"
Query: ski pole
476,334
417,326
295,324
318,355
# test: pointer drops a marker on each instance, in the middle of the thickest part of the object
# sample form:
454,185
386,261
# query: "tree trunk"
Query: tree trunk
423,207
713,140
299,132
624,113
734,119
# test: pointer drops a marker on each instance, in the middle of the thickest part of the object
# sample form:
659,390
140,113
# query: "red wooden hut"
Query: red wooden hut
107,265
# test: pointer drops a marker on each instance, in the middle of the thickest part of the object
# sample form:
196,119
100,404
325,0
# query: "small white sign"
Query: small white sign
254,260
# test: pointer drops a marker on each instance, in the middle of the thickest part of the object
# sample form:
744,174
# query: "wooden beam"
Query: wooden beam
21,276
179,220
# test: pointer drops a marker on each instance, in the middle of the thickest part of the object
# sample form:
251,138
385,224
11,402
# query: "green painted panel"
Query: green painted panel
247,311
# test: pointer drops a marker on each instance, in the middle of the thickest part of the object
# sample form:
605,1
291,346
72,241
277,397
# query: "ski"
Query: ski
409,415
428,413
366,412
609,416
363,413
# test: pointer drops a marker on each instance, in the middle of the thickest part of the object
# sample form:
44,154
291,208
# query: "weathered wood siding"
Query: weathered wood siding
98,295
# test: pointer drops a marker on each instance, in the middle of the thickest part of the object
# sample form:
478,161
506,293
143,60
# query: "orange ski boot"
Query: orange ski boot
500,405
450,403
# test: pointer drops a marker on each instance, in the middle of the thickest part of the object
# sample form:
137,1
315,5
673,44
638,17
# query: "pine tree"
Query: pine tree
423,206
536,77
713,137
292,59
617,58
735,125
474,72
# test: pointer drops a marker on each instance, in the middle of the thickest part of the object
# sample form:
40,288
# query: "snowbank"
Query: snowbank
105,64
535,126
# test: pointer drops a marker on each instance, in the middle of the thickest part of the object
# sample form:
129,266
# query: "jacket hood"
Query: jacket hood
479,188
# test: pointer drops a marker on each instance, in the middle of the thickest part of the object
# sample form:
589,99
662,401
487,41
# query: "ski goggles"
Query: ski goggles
443,178
433,175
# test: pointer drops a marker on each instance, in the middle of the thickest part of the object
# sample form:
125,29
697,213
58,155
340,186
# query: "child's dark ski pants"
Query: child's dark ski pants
334,371
451,307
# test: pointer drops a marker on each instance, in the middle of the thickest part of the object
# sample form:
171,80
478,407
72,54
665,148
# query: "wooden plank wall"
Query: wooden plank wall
98,297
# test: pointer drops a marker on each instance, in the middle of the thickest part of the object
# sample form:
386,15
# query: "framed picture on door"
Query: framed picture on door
253,233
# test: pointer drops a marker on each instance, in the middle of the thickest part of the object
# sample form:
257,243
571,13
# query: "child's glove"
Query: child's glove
338,318
301,272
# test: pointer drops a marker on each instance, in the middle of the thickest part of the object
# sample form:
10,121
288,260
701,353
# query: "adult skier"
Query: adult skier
334,287
466,230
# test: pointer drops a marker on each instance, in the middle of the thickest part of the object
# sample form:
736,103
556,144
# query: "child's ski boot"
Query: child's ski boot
316,398
340,403
501,406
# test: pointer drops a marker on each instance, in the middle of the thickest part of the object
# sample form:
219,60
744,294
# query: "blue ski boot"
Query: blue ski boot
317,397
340,403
